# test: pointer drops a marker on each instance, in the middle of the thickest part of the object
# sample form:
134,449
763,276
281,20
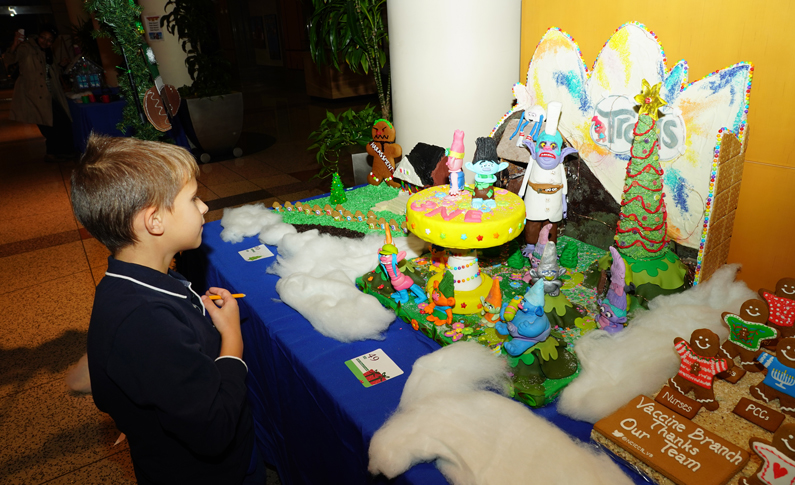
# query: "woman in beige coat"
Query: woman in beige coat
38,94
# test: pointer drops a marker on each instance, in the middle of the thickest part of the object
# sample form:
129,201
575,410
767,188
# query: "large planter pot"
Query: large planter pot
326,82
214,124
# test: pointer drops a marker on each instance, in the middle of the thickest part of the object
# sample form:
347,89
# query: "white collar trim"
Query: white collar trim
145,285
151,287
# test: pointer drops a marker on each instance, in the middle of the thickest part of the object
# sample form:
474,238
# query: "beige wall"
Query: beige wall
710,36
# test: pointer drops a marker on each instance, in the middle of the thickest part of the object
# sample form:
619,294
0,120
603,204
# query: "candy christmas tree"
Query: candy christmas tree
337,190
641,234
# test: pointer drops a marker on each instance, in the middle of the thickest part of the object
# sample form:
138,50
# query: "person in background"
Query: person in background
38,94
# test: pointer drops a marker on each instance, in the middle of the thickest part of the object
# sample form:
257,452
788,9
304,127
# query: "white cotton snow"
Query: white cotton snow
639,359
318,272
448,414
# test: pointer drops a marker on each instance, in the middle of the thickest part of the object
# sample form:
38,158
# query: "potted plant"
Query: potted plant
215,113
350,33
121,21
341,133
353,31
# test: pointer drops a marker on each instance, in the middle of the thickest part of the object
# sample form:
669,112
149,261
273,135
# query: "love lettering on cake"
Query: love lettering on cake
672,444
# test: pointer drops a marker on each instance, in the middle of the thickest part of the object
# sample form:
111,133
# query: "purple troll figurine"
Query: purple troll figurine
613,308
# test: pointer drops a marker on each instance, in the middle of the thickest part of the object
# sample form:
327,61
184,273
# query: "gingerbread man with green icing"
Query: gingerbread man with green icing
746,333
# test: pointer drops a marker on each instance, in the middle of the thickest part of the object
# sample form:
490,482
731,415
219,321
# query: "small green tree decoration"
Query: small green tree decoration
569,257
123,19
337,190
517,260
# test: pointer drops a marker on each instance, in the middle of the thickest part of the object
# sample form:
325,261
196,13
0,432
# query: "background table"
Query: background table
102,118
313,418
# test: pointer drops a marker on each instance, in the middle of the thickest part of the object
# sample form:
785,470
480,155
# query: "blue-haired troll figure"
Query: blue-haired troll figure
525,321
486,164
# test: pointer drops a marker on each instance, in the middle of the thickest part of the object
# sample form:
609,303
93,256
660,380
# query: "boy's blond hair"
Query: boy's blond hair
117,178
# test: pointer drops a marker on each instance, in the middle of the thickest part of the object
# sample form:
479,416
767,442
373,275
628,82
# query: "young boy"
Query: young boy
172,379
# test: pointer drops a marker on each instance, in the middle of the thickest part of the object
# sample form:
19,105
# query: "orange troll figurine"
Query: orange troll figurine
442,301
384,151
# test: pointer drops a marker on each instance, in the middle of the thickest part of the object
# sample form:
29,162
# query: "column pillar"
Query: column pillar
168,51
453,63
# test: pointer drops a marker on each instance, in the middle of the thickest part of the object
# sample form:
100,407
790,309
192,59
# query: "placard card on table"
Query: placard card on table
676,401
759,414
671,444
255,253
373,368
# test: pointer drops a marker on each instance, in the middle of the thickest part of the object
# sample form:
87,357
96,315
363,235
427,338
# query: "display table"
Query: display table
102,118
313,418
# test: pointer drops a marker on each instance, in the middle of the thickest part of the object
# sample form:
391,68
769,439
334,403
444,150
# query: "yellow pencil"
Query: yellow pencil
234,295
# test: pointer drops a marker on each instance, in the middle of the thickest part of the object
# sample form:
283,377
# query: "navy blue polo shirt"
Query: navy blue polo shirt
154,366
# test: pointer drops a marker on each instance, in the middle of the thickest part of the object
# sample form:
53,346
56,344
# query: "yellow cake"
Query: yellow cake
451,222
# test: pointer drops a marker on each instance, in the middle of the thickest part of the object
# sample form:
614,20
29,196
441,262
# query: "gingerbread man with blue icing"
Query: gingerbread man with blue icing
778,458
779,383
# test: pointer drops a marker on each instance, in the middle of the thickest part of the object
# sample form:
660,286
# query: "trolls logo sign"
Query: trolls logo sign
614,118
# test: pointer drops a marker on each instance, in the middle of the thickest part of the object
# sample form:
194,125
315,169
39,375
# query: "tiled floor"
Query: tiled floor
49,267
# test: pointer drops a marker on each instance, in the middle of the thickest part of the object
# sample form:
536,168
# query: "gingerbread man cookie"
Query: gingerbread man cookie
778,458
781,305
384,151
746,333
779,382
699,366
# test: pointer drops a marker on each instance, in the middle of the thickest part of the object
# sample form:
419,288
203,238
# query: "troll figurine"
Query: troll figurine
389,257
485,165
526,101
442,301
548,271
535,251
613,308
544,185
525,321
492,304
455,160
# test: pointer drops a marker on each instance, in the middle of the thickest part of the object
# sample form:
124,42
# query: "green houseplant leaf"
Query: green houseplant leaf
194,22
337,133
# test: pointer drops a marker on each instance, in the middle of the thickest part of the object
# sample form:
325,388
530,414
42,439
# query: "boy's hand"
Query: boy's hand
226,317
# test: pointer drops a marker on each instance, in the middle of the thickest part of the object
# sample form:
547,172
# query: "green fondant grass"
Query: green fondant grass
361,199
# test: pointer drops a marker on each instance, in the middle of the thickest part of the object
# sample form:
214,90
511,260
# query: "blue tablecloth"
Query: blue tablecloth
313,418
102,118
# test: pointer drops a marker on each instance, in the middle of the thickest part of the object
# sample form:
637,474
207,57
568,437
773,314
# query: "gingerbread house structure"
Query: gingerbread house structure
703,132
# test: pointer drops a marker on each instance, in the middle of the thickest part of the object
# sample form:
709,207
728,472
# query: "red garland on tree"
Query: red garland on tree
642,227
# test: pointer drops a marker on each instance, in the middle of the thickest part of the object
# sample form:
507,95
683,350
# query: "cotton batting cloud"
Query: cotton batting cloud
449,414
638,360
318,271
